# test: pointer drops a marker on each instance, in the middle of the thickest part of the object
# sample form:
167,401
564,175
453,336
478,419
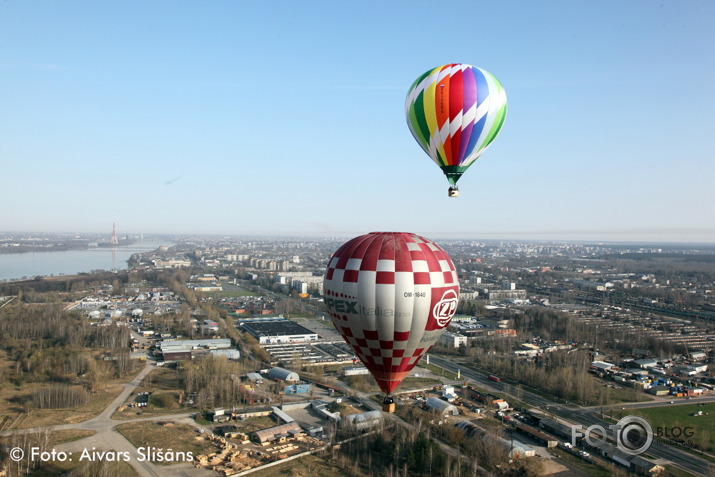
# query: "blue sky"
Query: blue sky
288,119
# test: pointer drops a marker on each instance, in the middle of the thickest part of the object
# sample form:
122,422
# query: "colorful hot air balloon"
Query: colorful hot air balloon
390,295
454,112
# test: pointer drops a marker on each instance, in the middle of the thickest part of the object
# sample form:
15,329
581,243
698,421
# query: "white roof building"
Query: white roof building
365,420
441,406
283,374
187,345
354,370
229,353
515,448
453,340
602,365
647,362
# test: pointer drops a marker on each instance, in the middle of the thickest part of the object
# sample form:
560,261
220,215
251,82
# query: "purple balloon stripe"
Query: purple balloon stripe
469,89
464,142
469,98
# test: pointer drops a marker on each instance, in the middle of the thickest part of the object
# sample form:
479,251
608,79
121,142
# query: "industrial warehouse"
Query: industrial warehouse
288,342
173,350
277,330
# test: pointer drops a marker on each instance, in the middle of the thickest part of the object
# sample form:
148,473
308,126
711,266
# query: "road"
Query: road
662,402
8,301
586,416
107,438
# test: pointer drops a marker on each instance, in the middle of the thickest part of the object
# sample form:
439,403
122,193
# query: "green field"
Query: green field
418,383
677,422
438,371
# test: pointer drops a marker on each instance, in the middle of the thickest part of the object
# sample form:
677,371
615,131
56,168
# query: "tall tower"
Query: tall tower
114,240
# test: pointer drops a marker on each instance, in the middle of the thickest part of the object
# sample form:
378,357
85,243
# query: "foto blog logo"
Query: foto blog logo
632,435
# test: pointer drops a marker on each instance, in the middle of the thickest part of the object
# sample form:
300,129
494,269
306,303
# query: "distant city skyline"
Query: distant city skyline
234,118
105,237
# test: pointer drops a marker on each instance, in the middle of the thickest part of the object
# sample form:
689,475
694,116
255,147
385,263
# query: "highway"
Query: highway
587,416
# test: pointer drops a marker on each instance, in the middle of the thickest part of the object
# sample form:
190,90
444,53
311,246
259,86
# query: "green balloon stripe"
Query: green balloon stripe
496,127
420,122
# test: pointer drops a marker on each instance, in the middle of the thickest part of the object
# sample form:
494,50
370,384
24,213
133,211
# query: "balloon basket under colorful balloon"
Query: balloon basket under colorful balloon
453,192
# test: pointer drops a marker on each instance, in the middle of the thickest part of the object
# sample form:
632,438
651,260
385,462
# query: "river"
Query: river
14,266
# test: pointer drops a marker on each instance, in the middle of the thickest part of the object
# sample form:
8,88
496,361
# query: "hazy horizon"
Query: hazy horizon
534,237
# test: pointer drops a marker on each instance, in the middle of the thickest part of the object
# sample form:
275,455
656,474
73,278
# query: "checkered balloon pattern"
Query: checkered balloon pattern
391,295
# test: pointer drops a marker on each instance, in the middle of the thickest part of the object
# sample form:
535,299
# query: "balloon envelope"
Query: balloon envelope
454,112
391,295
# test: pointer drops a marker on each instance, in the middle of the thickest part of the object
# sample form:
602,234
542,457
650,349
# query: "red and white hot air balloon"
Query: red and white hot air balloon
391,295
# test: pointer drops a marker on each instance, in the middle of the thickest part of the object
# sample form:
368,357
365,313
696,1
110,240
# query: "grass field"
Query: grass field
14,413
627,395
417,383
180,437
438,371
166,385
13,399
677,422
69,435
55,437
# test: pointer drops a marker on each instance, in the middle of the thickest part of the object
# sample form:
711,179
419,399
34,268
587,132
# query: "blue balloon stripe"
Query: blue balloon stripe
476,132
482,86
